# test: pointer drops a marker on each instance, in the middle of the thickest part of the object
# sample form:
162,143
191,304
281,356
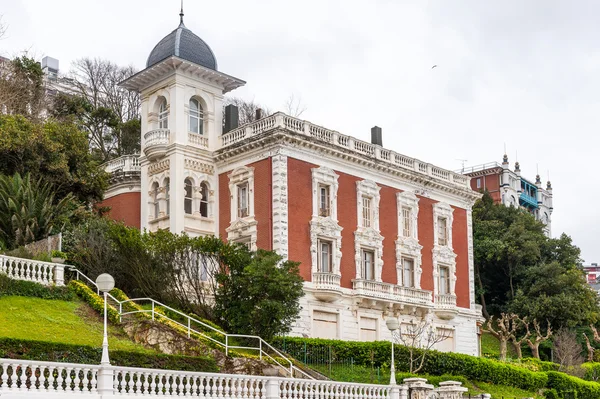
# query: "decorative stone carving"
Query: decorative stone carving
199,166
280,205
242,228
158,167
368,237
408,246
443,255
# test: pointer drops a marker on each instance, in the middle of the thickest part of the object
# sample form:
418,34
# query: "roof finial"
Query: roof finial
181,14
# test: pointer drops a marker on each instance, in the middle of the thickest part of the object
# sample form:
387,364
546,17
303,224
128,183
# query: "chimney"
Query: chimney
376,136
231,118
258,114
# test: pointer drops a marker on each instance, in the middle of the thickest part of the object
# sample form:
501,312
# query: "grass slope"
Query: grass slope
60,322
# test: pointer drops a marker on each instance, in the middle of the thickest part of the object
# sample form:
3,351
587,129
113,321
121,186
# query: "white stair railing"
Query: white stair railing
198,327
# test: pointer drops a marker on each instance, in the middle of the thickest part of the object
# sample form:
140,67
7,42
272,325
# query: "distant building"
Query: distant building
54,82
592,273
508,187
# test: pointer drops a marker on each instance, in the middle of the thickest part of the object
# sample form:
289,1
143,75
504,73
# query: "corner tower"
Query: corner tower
181,114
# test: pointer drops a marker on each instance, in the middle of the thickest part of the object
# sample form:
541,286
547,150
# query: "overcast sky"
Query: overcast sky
524,74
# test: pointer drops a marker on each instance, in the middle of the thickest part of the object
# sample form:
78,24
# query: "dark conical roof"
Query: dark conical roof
183,43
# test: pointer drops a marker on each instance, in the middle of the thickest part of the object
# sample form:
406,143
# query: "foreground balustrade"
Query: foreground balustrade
45,273
33,379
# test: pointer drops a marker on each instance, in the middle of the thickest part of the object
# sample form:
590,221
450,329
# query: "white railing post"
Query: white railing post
59,274
403,392
226,345
189,328
395,392
260,350
272,391
105,381
152,310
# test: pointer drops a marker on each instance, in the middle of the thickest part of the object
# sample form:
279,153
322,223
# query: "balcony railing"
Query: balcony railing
391,292
155,143
445,301
528,200
126,164
282,121
326,281
198,140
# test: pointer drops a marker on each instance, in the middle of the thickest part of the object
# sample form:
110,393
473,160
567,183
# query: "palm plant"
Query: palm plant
29,210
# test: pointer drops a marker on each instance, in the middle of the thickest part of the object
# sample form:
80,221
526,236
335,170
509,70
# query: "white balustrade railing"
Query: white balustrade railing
157,136
326,281
26,376
198,140
45,273
392,292
282,121
125,163
445,301
36,379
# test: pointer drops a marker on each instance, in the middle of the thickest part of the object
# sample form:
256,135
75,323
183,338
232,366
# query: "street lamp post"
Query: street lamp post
392,325
105,283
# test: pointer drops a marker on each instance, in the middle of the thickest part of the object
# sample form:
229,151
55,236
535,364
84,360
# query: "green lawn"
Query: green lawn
58,321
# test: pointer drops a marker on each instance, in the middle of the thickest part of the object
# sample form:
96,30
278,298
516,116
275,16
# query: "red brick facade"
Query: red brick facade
490,183
124,208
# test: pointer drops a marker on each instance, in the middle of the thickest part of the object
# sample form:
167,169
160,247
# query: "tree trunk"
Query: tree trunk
535,350
482,296
502,349
517,347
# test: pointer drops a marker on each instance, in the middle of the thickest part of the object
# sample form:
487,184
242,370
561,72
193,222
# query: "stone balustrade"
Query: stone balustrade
326,281
282,121
198,140
445,301
391,292
125,164
156,142
45,273
36,379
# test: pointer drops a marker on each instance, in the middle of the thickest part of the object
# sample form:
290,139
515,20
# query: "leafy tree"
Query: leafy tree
29,211
258,293
22,87
54,151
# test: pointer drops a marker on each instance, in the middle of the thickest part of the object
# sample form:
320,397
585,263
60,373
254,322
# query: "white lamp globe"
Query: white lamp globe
105,282
392,324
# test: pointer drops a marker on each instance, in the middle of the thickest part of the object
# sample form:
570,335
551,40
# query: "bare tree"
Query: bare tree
22,88
507,327
247,109
590,349
518,342
538,337
567,350
294,107
419,337
3,27
111,106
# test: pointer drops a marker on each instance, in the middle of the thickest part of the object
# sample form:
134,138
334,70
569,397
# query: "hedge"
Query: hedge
592,371
94,300
9,287
564,383
67,353
436,363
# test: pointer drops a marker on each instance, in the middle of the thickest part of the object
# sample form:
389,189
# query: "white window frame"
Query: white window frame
368,236
163,115
365,268
320,243
197,115
325,227
242,227
442,226
204,199
439,288
443,255
408,247
188,199
402,273
243,200
324,196
479,182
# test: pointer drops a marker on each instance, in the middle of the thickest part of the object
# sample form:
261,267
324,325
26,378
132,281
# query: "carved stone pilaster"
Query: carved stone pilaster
280,204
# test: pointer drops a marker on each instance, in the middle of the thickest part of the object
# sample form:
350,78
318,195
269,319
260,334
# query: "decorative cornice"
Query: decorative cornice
198,166
158,167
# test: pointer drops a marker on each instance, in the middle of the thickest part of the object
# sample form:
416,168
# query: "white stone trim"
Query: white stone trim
325,227
408,246
471,257
279,166
443,255
243,228
368,237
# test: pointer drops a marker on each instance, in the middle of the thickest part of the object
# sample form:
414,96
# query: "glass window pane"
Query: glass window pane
193,124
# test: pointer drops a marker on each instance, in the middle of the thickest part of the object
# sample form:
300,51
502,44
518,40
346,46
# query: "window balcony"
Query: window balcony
391,292
445,306
327,286
156,142
198,140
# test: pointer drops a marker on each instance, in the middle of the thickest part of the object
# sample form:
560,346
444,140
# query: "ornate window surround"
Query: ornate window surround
368,237
443,255
326,228
242,229
408,247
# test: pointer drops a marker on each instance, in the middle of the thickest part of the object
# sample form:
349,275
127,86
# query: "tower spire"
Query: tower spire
181,14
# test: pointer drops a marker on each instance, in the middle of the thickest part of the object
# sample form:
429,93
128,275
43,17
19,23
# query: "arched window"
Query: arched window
204,199
187,203
168,195
163,115
155,200
196,117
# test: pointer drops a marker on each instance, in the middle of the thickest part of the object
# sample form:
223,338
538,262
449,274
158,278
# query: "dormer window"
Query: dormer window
196,118
324,201
163,115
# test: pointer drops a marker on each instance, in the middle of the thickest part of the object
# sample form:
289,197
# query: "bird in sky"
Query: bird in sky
435,66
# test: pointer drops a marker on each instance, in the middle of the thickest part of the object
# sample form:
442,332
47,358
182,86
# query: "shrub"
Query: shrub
56,352
551,394
437,363
10,287
564,383
591,371
94,300
58,254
